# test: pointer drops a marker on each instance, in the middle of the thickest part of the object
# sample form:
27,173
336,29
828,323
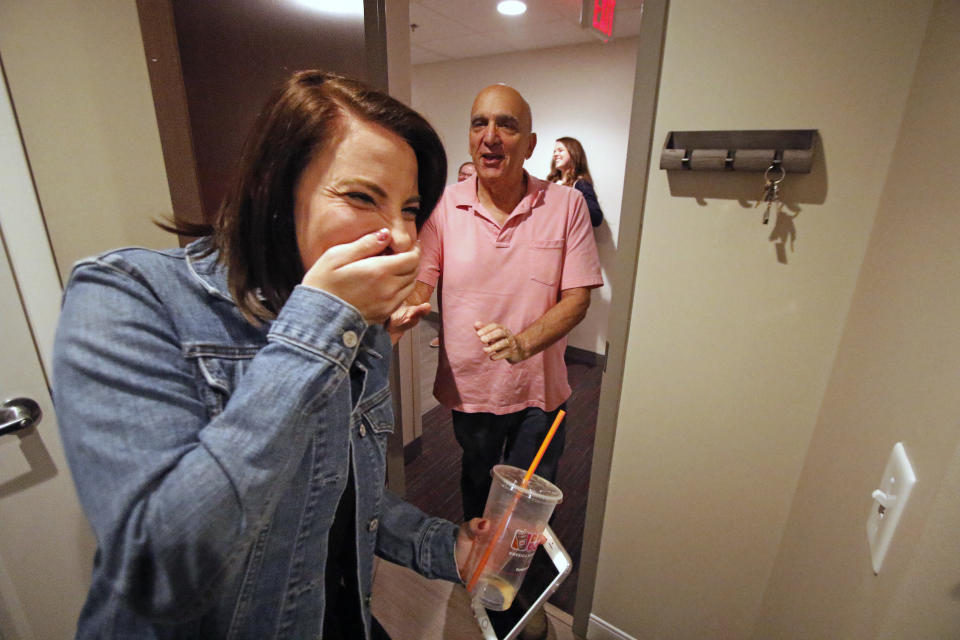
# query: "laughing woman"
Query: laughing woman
225,406
568,166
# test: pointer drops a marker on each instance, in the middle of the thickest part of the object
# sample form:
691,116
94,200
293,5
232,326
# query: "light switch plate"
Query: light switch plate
889,501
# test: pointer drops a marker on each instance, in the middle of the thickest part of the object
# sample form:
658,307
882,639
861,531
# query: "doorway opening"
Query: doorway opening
565,95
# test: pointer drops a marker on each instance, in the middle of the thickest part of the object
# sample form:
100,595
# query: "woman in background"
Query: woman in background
569,167
225,406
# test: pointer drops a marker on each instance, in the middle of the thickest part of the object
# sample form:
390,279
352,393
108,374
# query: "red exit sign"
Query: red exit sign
603,16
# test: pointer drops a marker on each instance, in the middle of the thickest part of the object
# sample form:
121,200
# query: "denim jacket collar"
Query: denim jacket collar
205,266
211,274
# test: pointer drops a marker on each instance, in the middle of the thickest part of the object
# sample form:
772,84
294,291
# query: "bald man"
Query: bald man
515,260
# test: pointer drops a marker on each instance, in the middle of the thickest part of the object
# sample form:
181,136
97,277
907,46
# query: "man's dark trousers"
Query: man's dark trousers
488,439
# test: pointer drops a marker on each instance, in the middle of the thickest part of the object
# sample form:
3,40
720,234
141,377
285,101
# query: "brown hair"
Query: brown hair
254,229
578,160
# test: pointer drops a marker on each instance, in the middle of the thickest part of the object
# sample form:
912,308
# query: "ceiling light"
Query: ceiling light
512,7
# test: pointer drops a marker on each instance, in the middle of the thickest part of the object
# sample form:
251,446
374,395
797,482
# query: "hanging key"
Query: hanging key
773,200
771,191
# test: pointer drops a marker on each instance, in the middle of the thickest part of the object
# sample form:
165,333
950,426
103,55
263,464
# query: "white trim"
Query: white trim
23,231
600,629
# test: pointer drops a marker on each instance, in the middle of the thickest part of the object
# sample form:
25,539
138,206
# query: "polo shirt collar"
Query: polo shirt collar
465,195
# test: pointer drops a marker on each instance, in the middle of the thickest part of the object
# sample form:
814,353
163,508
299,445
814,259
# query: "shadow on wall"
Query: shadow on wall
600,304
41,464
747,188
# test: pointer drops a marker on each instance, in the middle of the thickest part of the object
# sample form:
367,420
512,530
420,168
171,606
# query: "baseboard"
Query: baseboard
558,614
599,629
412,450
586,357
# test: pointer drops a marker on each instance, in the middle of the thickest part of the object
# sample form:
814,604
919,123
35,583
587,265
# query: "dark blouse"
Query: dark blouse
343,618
596,213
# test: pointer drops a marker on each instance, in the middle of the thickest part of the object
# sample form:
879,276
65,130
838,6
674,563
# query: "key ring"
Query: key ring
766,174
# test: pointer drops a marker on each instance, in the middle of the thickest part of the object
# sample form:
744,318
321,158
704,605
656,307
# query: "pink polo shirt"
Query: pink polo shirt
512,275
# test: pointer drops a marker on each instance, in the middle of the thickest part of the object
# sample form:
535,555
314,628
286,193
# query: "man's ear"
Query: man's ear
533,144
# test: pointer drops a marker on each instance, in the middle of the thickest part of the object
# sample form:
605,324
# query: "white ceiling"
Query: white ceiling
453,29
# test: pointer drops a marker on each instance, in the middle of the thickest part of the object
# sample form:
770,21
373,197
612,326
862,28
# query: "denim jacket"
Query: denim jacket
210,455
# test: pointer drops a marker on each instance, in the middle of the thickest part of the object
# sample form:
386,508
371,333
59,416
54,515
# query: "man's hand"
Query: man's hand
475,532
405,318
501,343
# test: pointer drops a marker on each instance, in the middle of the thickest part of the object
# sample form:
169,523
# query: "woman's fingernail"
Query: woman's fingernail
382,235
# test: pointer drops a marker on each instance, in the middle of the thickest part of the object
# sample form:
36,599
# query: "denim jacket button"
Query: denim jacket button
363,430
350,339
374,523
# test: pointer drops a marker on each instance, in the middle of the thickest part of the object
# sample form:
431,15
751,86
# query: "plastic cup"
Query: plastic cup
527,511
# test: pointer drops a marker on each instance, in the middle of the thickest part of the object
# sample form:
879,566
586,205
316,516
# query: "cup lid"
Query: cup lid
538,489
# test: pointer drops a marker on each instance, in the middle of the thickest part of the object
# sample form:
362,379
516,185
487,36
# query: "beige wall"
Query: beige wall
895,378
731,349
79,84
583,91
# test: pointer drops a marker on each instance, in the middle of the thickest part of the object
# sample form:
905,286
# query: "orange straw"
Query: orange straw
516,499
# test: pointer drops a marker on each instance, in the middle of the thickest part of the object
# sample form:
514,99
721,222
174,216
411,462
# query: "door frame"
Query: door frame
623,281
623,276
25,236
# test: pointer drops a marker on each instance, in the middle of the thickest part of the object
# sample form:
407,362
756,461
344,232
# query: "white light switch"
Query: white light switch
889,501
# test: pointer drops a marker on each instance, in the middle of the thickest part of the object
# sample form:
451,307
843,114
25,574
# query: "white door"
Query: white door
46,547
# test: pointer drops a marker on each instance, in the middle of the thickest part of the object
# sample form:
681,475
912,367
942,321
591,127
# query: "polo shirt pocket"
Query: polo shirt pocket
546,260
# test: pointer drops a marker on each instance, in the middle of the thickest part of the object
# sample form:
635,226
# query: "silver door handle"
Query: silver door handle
17,414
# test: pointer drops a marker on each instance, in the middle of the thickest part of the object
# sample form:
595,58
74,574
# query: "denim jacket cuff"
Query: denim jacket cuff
321,323
440,545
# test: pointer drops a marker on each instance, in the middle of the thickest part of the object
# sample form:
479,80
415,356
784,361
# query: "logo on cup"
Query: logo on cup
526,540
